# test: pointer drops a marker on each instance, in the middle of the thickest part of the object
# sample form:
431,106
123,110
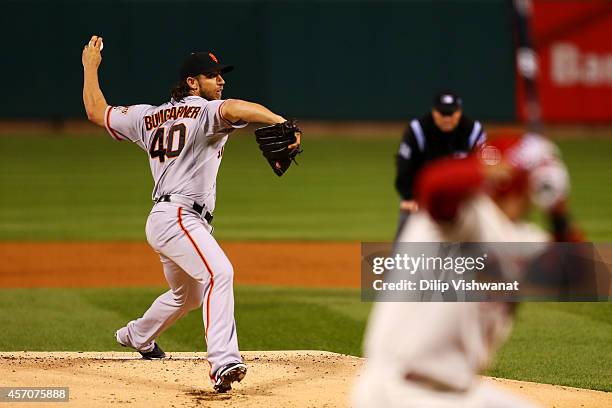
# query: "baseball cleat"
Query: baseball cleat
156,353
228,374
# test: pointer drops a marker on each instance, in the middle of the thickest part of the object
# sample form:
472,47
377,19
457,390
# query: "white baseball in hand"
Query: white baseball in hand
101,45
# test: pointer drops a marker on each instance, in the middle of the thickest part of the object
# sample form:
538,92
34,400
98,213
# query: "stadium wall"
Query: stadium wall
374,60
572,41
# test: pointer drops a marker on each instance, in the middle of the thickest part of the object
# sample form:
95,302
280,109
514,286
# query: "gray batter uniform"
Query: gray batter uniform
184,141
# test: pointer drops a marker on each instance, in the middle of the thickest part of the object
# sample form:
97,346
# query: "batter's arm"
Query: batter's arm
443,185
93,98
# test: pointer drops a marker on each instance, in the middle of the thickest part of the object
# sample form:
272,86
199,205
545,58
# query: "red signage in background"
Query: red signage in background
573,41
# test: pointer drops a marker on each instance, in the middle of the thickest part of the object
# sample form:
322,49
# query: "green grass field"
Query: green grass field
61,188
91,188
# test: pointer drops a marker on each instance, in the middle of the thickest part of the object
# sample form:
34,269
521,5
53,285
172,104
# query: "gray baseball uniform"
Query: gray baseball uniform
185,142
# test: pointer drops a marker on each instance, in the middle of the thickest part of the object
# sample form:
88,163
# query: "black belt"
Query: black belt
196,207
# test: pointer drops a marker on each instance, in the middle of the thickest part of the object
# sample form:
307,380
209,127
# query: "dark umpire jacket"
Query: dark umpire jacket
423,142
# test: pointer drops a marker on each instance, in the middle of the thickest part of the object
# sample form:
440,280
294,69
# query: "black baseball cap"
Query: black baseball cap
447,103
202,63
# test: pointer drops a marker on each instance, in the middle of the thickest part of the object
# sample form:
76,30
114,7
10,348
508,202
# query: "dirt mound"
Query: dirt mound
556,396
275,379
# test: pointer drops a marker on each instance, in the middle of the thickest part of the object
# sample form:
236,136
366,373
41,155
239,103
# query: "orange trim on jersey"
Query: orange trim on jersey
221,114
107,123
210,272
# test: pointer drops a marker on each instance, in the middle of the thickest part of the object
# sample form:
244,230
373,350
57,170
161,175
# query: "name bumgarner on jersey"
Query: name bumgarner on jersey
184,141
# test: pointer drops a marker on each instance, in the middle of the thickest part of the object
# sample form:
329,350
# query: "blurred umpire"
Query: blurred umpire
445,131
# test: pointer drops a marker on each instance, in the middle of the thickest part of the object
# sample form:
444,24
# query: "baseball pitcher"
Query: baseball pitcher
184,140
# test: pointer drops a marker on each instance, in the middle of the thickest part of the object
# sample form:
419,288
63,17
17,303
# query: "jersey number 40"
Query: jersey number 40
157,144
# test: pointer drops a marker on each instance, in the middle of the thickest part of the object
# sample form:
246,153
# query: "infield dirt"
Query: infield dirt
275,379
120,264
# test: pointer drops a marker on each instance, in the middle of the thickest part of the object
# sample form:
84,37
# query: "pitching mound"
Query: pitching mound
275,379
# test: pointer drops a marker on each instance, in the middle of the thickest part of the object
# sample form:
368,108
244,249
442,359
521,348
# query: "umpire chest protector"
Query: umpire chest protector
432,143
423,142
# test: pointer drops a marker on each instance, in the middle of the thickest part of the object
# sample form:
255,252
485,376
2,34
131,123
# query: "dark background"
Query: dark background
309,59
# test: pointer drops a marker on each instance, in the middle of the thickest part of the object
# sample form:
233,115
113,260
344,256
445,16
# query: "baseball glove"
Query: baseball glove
274,142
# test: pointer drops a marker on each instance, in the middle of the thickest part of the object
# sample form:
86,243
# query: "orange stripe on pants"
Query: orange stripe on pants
210,272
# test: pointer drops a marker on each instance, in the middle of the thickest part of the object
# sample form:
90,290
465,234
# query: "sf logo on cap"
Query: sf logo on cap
212,57
447,99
